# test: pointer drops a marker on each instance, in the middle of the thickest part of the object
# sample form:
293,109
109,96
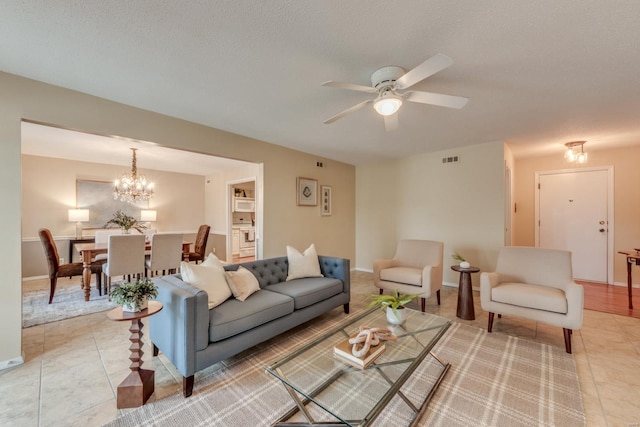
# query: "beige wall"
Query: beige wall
625,162
419,197
49,189
284,222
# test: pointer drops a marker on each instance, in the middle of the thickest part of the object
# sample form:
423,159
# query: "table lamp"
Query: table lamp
148,216
78,216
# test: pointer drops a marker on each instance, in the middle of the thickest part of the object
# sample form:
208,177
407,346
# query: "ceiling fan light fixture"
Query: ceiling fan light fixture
387,104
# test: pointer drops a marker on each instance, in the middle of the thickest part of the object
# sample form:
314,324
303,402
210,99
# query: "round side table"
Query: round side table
136,389
465,309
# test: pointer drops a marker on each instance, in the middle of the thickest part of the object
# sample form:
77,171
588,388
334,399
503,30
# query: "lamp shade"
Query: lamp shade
78,215
148,216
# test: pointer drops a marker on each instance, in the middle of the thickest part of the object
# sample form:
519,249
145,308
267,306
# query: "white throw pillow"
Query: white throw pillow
242,283
212,261
303,265
210,279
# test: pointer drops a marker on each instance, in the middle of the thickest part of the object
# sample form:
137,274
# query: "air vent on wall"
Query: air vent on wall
451,159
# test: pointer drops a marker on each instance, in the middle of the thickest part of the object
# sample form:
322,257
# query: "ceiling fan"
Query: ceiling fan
391,84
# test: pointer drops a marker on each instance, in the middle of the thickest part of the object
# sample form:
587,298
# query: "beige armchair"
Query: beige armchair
416,268
535,284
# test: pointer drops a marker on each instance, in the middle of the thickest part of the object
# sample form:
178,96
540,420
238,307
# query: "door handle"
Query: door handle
602,230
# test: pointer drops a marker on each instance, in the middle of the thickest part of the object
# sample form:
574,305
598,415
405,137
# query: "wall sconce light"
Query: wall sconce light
575,152
78,216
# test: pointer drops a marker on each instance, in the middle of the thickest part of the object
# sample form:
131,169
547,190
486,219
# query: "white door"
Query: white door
573,215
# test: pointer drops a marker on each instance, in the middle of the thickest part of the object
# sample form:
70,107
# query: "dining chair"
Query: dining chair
63,270
125,256
102,237
201,244
166,253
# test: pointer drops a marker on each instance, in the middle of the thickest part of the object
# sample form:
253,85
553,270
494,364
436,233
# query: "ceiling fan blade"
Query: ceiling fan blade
429,67
391,122
439,99
347,111
350,86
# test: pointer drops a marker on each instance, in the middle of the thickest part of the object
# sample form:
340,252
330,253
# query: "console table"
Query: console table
136,389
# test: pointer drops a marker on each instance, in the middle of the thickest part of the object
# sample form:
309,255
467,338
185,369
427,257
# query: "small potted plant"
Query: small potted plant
394,305
134,296
463,262
125,222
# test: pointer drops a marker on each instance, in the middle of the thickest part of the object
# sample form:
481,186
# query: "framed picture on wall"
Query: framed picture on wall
97,196
325,200
307,191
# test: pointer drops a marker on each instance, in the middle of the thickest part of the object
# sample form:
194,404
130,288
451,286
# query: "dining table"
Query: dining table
88,252
633,257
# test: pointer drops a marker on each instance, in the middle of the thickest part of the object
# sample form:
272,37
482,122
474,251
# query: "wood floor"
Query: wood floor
610,299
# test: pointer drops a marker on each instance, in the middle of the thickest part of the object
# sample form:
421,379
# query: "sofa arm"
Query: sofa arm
338,268
181,328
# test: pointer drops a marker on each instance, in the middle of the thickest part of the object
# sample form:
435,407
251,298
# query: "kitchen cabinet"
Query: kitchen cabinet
235,241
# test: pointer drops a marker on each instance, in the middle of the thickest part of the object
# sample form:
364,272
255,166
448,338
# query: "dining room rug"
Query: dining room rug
68,302
495,380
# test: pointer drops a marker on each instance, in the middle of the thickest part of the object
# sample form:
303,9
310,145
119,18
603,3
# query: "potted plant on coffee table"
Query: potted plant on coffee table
134,296
125,222
394,305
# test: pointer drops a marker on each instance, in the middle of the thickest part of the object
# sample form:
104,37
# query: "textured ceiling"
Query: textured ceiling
537,73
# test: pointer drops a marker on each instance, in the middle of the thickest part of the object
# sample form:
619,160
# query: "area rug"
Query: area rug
68,302
495,380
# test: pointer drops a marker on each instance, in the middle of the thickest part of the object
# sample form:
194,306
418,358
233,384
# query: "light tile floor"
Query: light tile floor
73,367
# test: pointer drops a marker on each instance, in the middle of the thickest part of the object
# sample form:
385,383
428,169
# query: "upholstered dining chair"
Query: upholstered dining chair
166,253
125,257
416,268
63,270
535,284
102,237
198,253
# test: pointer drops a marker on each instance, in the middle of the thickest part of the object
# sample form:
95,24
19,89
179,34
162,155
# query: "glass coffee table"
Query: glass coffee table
315,378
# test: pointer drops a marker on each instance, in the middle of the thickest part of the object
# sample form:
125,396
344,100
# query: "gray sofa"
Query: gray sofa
193,337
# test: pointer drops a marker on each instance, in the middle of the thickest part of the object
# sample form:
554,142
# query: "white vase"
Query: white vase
465,264
131,308
397,317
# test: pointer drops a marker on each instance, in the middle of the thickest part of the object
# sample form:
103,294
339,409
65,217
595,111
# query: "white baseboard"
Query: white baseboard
5,364
364,270
32,278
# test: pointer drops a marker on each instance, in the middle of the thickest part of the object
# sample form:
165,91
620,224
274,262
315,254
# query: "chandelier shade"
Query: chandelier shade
131,187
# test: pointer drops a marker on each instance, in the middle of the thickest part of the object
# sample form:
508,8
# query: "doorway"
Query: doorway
574,211
244,220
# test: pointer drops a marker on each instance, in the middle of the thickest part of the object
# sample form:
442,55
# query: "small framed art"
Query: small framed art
325,200
307,191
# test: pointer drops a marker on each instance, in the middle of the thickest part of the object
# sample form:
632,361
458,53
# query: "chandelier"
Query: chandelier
132,187
575,152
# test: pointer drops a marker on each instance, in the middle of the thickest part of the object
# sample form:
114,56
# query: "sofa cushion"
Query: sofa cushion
234,317
532,296
209,278
308,291
408,275
242,283
303,265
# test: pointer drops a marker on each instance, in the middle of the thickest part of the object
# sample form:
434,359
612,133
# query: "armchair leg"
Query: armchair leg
490,324
567,339
423,302
380,291
187,386
437,296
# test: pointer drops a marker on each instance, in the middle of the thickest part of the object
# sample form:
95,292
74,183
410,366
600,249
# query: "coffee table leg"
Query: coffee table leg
136,389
